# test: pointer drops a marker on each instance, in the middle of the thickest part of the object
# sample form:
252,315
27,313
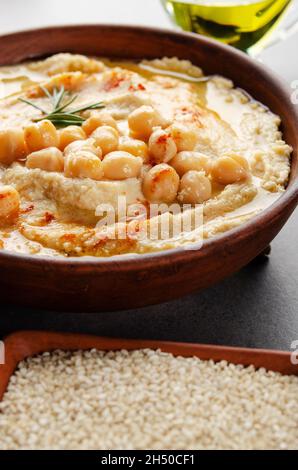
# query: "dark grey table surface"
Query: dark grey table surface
256,307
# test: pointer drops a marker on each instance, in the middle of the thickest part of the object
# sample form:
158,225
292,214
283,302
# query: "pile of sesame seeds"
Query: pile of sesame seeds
146,399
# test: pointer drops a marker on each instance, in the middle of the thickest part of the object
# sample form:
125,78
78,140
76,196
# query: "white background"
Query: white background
24,14
20,14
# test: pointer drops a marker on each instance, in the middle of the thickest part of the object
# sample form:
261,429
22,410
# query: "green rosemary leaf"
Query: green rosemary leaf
59,97
60,115
33,104
46,92
98,105
60,123
74,117
66,104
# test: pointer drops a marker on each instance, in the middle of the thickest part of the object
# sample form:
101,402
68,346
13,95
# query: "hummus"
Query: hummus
151,133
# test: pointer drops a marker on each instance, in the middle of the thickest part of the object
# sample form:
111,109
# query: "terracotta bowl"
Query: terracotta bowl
22,344
90,284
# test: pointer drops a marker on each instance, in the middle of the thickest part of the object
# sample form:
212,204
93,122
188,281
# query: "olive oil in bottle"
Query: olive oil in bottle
240,23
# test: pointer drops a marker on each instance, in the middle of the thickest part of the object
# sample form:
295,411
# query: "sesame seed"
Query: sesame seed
146,399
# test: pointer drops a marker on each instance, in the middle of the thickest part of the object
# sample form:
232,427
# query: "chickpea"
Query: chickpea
87,144
228,170
49,159
241,160
107,138
194,188
12,145
184,137
97,120
121,165
142,121
84,164
70,134
136,147
145,168
41,135
162,146
186,161
9,202
160,184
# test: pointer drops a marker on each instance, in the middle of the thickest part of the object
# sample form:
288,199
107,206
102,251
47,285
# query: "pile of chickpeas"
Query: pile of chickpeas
161,154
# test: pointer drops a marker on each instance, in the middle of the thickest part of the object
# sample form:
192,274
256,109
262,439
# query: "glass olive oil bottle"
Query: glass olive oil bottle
240,23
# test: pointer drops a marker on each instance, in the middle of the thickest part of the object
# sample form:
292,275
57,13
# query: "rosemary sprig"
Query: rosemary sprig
60,115
32,104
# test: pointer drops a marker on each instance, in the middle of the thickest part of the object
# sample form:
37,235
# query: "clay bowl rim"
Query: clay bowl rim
127,261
